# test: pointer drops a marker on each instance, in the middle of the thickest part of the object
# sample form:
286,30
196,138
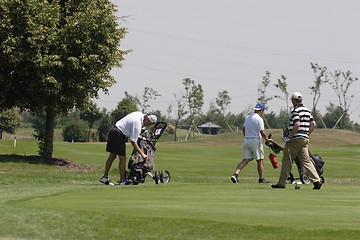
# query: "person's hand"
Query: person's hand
269,141
144,156
286,139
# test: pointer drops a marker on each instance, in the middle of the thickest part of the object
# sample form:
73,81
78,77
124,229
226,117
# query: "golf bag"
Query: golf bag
276,148
303,177
139,168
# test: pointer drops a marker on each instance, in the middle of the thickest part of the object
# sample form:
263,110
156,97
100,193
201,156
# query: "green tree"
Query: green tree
91,115
10,119
149,94
105,123
214,115
124,107
180,112
194,96
333,116
321,77
262,89
340,83
262,93
56,55
222,101
282,85
75,131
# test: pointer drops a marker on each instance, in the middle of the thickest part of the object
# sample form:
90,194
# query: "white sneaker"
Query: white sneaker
106,181
125,182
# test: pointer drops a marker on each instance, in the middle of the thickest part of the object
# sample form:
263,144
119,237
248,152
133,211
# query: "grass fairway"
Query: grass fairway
50,202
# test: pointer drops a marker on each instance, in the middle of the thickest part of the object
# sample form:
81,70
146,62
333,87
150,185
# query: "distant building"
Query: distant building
209,128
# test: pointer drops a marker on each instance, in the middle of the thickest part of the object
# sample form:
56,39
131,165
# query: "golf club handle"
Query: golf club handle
270,135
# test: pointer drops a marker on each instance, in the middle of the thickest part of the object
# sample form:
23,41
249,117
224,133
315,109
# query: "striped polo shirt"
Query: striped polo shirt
303,115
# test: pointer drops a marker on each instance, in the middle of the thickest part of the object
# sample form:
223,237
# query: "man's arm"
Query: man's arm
138,149
312,127
294,130
263,135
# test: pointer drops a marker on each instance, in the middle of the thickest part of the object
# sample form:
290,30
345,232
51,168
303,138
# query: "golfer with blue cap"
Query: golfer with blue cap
253,131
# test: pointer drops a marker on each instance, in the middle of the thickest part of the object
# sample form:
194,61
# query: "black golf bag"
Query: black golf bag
139,168
303,177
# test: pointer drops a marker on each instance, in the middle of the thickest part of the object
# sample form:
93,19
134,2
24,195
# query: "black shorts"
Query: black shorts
116,142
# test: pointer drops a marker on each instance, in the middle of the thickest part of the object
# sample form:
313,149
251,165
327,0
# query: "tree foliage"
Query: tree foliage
222,101
91,114
282,85
180,112
334,114
105,123
75,131
56,55
321,77
9,120
124,107
263,87
148,94
340,83
194,96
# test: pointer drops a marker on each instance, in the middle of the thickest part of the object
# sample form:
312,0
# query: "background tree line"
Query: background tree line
93,123
56,55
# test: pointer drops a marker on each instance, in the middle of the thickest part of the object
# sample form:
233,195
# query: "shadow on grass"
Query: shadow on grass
35,159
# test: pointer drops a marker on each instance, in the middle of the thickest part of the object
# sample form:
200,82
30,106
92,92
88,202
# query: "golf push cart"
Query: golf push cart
303,177
139,168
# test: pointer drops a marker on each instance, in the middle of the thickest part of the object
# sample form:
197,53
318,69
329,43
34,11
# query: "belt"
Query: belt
116,128
252,138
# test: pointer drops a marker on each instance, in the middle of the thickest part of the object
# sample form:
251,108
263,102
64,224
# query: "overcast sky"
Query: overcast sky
230,44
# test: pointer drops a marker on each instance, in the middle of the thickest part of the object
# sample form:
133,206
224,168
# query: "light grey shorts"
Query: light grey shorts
253,149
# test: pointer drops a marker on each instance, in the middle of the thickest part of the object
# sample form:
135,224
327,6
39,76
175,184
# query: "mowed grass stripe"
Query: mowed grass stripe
335,207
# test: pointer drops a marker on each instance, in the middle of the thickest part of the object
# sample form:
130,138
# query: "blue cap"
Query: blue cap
259,106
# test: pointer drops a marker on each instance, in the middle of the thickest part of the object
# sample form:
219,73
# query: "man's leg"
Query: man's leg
108,164
240,166
260,169
307,164
285,167
105,179
122,166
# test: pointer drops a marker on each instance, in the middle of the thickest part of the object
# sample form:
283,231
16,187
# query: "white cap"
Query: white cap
152,118
296,95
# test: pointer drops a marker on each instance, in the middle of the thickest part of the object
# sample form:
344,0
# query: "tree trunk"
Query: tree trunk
227,124
46,150
176,129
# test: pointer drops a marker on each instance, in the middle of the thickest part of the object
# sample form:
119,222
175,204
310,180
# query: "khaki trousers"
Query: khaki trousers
297,147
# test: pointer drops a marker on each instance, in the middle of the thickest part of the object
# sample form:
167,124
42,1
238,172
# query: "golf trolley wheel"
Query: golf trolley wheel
136,178
157,177
322,179
165,176
304,178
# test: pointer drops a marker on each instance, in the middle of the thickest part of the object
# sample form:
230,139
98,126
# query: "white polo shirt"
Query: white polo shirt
253,125
131,125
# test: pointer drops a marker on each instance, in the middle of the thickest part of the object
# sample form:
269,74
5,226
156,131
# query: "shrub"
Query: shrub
75,131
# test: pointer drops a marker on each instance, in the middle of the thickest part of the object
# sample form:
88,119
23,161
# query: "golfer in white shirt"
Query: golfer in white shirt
253,131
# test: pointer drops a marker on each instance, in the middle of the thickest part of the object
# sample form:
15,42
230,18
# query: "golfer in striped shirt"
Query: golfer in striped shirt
301,125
